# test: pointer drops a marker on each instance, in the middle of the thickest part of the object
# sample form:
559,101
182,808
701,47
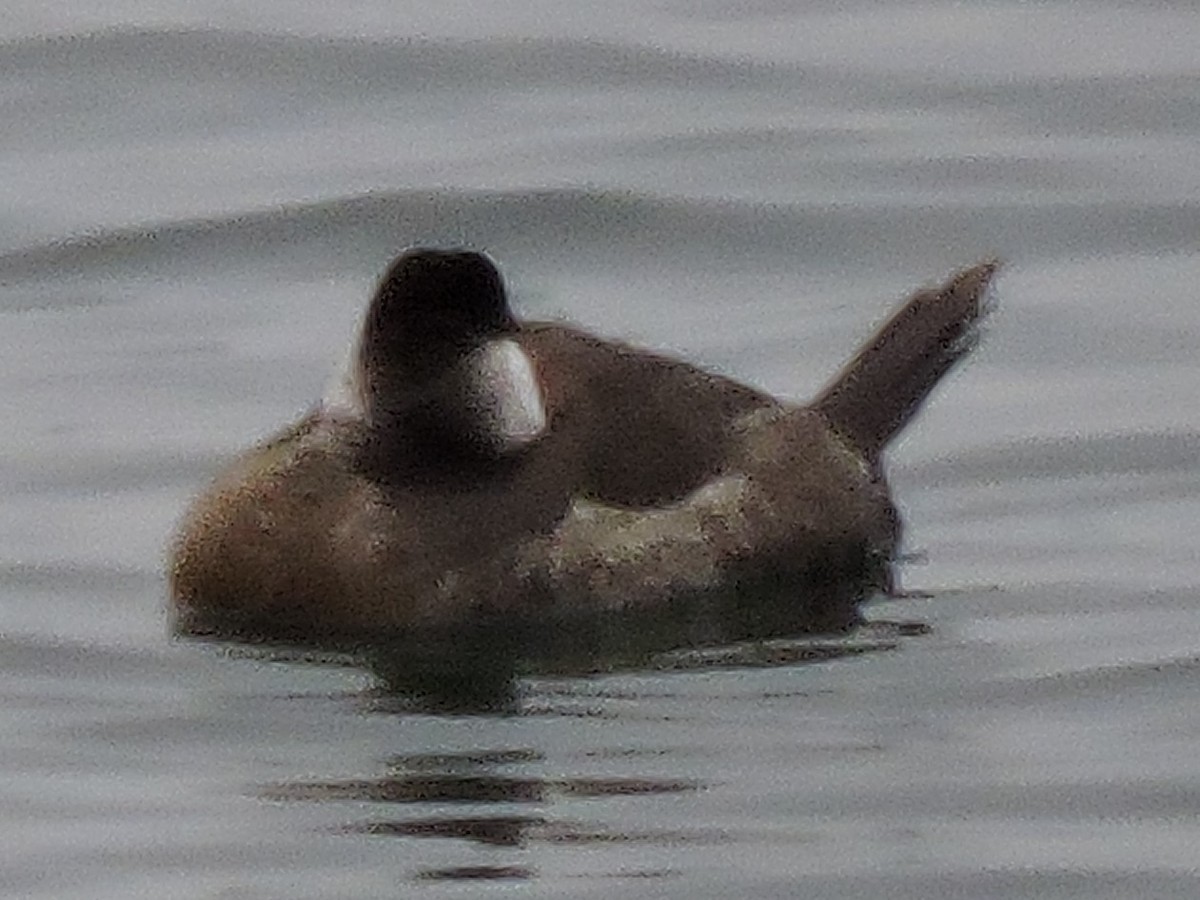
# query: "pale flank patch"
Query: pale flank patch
503,387
618,559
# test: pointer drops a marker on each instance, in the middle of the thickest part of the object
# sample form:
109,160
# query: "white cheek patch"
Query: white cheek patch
502,387
343,395
343,398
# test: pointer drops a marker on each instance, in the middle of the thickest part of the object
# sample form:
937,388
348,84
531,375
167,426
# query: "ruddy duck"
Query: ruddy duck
481,481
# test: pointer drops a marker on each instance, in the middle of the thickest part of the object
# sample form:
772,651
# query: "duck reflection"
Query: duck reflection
433,785
515,798
487,681
480,680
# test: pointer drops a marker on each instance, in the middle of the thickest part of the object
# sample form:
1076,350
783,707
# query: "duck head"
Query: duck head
438,365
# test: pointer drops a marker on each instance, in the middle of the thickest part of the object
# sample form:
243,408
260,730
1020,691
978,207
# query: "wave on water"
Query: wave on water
361,66
584,227
1064,457
337,69
361,135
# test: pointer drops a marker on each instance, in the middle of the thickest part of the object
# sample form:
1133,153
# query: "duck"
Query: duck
478,486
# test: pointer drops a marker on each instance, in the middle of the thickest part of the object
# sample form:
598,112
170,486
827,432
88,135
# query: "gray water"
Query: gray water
197,198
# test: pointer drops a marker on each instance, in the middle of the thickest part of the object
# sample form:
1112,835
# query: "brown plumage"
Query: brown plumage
660,506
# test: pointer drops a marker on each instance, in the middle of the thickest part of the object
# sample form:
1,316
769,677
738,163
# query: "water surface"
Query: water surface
197,201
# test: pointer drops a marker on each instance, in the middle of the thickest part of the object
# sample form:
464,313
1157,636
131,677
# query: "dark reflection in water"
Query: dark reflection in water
457,788
490,682
501,873
477,873
501,831
767,654
475,759
476,677
519,831
494,797
435,783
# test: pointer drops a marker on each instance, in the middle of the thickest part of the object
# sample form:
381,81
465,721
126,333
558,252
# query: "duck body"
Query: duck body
657,506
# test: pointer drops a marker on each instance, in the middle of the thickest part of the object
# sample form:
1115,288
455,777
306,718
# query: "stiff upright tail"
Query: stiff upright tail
881,388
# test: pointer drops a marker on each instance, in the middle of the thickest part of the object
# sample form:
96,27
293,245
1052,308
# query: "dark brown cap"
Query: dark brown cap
433,305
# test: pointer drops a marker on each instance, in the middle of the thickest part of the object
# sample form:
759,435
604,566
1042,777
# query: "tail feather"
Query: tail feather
882,387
